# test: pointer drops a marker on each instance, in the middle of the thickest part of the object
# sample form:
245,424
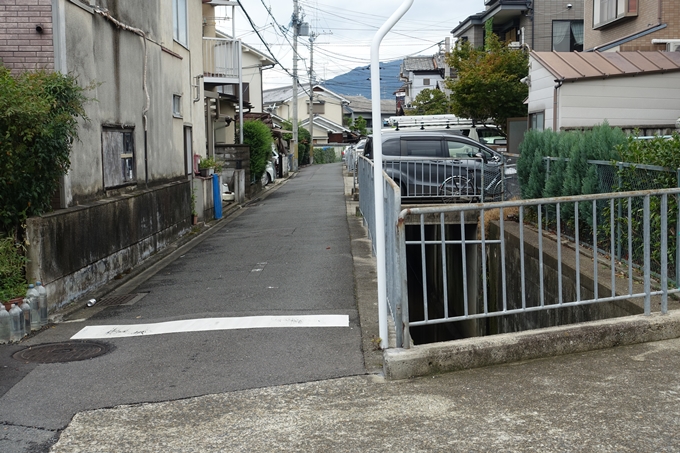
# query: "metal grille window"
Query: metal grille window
118,157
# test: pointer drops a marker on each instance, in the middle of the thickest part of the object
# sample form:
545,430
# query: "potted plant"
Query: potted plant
208,165
12,280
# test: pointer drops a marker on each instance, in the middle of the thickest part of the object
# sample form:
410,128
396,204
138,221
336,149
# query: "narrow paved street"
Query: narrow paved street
285,255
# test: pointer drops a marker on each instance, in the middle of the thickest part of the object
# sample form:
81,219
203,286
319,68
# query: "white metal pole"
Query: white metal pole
296,30
377,168
240,92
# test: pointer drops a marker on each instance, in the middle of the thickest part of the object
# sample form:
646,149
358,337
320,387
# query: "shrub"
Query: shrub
257,135
12,262
39,114
324,155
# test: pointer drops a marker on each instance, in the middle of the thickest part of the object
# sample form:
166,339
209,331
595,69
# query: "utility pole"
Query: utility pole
296,30
312,36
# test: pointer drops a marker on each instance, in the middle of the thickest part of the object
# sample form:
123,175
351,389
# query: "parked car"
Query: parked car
441,164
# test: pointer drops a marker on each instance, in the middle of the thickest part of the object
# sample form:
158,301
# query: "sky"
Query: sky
345,30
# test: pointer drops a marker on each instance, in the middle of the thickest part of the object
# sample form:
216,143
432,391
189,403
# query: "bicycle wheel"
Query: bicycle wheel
456,189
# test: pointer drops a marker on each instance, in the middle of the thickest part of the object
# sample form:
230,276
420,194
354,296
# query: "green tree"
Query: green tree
303,141
430,102
258,137
488,86
359,126
39,114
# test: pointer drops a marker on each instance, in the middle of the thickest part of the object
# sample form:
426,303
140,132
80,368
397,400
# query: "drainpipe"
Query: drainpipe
558,83
377,170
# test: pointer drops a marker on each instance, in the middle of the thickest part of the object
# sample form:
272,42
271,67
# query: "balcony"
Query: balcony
221,60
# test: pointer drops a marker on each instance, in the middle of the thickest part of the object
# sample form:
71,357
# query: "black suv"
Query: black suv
441,164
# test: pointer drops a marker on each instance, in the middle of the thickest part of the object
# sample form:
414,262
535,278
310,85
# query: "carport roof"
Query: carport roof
571,66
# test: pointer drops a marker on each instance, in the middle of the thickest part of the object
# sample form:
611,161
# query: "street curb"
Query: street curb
147,269
424,360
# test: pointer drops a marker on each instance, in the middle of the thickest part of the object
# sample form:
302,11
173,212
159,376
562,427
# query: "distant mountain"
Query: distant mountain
356,82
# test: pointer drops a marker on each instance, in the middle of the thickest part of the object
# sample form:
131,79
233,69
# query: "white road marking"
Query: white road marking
207,324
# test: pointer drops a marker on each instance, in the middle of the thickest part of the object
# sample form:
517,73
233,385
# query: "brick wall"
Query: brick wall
22,47
648,15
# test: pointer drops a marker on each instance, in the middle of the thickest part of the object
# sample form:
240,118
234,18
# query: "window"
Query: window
423,148
426,82
537,121
179,21
607,11
188,151
319,107
177,106
460,150
118,157
567,35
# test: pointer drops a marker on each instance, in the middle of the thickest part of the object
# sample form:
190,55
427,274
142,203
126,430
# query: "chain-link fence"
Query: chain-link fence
623,218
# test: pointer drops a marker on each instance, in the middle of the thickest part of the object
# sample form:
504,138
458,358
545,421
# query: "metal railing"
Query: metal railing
221,58
396,284
495,265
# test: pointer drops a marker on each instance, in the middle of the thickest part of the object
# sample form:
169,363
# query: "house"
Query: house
359,106
644,25
631,90
543,25
419,73
130,190
327,109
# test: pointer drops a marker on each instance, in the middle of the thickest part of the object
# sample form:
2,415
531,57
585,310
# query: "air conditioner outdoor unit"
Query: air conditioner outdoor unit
673,47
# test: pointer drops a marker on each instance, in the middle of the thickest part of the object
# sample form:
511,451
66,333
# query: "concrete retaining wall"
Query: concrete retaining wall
75,250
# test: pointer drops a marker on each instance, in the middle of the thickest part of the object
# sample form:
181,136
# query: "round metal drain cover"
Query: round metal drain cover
69,351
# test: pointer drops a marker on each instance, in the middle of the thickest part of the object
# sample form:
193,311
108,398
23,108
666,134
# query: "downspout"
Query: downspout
378,169
104,13
558,83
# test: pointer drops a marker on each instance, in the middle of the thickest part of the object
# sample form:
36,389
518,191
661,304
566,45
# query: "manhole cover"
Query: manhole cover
125,299
69,351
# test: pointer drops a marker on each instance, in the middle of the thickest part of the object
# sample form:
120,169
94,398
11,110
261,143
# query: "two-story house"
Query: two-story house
419,73
327,109
543,25
129,189
632,25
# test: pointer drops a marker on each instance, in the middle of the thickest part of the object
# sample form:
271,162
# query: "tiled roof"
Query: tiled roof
360,104
569,66
431,63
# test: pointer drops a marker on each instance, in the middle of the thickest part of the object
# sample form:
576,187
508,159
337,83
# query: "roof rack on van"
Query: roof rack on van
428,120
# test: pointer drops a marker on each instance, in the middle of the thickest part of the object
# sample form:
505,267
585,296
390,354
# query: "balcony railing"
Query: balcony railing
221,60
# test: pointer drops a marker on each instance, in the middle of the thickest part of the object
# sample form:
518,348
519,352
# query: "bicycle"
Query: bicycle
460,188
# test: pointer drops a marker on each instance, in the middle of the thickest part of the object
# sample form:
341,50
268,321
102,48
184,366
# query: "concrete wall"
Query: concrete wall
75,250
115,60
548,318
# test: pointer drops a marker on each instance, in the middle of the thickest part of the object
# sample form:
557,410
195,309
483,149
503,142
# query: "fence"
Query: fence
625,176
396,283
489,265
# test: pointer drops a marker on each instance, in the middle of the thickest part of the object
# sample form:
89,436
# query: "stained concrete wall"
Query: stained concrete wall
77,249
553,317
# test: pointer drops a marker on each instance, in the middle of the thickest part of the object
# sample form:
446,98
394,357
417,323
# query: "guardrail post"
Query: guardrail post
401,315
